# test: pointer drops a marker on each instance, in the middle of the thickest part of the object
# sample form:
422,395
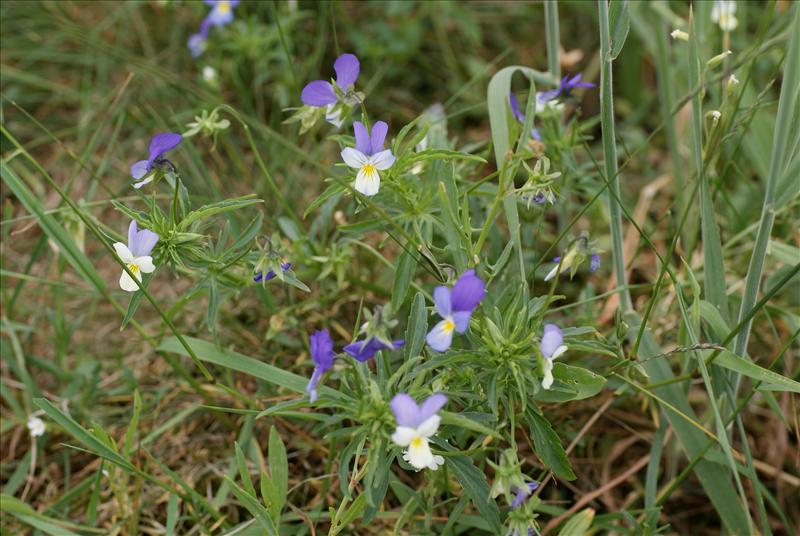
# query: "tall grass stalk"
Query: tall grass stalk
553,44
781,153
610,154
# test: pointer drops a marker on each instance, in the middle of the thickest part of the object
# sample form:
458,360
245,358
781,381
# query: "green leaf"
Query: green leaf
574,383
135,301
416,328
620,24
733,362
548,445
209,353
278,465
578,524
253,506
461,421
134,424
244,472
334,189
227,205
403,273
81,434
473,480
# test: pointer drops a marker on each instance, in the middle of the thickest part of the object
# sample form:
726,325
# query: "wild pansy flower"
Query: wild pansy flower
324,94
594,263
519,116
369,157
415,424
455,307
159,144
221,14
723,12
197,41
365,349
523,493
552,347
564,89
322,355
35,426
271,273
136,255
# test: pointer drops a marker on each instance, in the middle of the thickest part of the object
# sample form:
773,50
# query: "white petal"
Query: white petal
419,455
558,351
383,160
441,336
429,426
552,273
127,283
437,461
403,436
149,178
367,183
123,252
354,158
35,426
145,264
547,381
333,115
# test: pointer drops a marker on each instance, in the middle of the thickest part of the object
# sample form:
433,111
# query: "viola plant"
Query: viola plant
382,339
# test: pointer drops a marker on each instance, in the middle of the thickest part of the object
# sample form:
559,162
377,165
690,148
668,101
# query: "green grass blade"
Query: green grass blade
610,153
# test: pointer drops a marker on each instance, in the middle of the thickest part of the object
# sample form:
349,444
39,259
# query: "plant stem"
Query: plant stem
610,155
553,48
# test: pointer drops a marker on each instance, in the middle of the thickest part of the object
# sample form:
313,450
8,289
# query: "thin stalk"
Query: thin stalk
610,155
786,108
553,45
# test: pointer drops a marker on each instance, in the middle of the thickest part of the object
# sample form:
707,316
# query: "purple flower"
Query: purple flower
565,88
522,494
415,424
271,274
136,255
455,307
221,12
320,93
364,350
519,116
220,15
159,144
197,42
594,263
552,346
322,355
368,156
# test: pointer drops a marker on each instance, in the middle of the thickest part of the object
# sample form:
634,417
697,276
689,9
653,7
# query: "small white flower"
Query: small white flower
723,13
35,426
715,116
733,81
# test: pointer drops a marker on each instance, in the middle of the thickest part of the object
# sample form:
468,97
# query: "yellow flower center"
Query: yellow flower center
134,268
368,169
449,326
417,442
224,7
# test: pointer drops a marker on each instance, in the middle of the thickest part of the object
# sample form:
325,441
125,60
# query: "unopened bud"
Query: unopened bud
680,34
